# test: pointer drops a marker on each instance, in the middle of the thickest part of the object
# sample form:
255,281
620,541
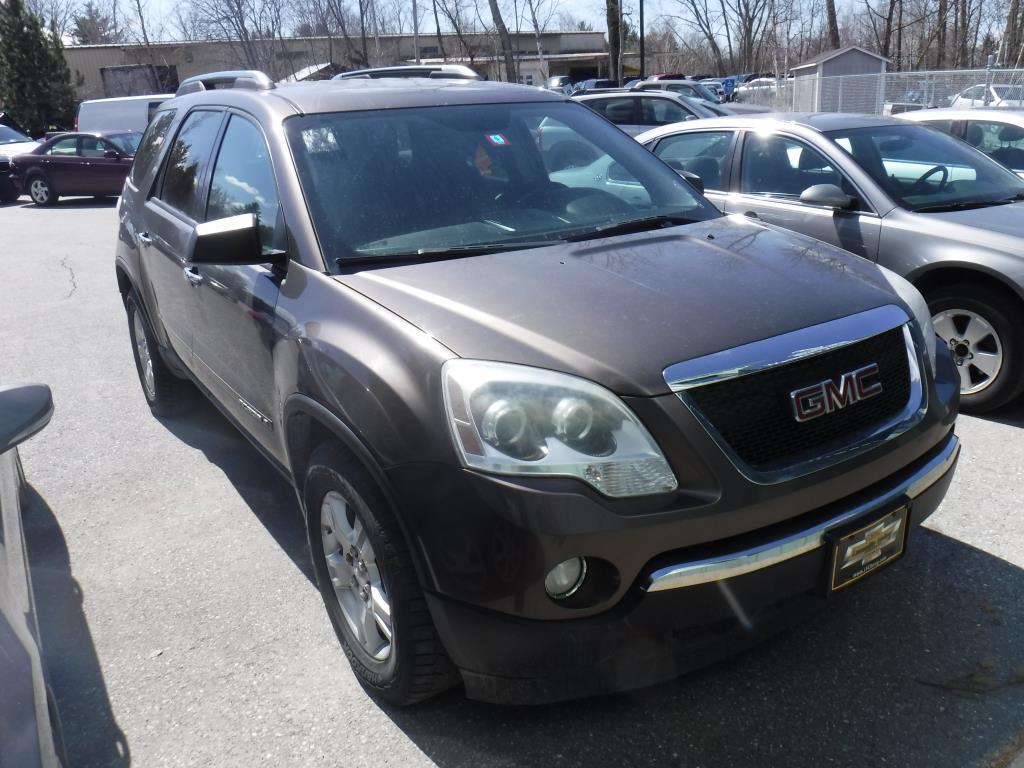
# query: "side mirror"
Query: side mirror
828,196
112,154
24,410
695,181
234,240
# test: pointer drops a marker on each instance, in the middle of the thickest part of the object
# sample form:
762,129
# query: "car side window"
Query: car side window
619,110
243,181
64,147
1003,142
93,147
703,153
777,166
187,162
150,146
662,112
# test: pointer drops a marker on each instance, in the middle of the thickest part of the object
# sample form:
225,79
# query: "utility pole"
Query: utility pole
415,33
642,70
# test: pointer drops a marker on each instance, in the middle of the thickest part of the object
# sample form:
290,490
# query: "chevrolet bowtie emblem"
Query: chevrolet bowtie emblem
871,546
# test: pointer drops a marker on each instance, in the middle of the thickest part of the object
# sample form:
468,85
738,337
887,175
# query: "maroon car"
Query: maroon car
76,164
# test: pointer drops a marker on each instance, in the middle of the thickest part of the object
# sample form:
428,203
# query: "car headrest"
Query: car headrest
1011,133
812,161
975,136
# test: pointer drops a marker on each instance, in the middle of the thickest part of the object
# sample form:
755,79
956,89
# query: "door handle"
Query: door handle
192,276
145,238
751,214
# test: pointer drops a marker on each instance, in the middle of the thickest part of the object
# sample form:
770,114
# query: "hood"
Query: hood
8,151
618,311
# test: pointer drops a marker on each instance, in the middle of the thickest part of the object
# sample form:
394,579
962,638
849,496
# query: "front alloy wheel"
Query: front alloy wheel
355,577
981,326
40,192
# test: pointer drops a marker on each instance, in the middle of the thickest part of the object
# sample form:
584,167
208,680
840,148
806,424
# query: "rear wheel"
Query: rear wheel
165,393
369,585
983,331
40,190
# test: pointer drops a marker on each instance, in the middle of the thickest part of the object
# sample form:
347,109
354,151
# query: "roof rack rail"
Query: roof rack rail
249,79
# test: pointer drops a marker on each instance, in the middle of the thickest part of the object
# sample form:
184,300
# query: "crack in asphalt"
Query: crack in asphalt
71,276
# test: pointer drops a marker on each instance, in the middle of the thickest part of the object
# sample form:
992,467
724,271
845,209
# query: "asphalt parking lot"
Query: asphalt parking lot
182,627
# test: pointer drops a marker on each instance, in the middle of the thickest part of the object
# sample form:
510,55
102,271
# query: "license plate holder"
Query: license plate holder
862,548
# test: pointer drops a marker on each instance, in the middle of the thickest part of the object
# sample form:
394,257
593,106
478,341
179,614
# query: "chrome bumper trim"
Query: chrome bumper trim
767,555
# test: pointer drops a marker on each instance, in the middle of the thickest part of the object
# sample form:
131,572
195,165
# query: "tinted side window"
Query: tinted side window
701,153
619,111
64,147
243,181
149,148
662,112
187,161
776,166
93,147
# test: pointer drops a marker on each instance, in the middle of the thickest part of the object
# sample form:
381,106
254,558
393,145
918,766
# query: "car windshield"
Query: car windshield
126,142
11,136
478,178
924,169
1012,92
705,92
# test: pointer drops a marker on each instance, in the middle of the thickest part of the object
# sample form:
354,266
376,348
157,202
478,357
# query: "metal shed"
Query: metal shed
849,79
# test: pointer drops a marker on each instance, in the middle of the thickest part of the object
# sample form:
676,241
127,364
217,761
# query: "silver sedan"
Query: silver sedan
916,200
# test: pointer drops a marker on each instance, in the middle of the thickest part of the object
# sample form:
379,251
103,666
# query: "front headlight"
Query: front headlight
516,420
906,291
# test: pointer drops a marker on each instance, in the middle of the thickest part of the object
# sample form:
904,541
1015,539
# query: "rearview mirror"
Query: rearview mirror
24,410
234,240
695,181
827,196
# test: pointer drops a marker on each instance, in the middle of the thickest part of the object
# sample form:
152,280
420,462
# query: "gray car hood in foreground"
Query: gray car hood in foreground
619,310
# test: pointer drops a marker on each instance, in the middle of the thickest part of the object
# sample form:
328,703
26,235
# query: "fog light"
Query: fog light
566,577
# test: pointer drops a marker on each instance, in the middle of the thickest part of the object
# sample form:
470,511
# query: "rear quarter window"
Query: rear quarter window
150,146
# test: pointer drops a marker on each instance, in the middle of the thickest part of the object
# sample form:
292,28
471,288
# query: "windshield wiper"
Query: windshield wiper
633,225
454,251
965,205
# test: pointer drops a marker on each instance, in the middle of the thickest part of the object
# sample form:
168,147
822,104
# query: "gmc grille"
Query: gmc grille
754,416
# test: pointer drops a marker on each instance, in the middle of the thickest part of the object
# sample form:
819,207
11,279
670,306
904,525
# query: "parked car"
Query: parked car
436,71
12,143
637,111
915,200
715,86
999,133
688,88
558,83
30,732
997,95
507,478
75,164
595,84
122,114
752,88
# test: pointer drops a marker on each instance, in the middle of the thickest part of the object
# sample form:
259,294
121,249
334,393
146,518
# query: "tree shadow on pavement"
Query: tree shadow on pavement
920,665
91,733
269,495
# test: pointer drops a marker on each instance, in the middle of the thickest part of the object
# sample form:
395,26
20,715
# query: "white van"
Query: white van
126,113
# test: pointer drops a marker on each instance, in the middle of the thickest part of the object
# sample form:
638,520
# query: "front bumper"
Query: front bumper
687,610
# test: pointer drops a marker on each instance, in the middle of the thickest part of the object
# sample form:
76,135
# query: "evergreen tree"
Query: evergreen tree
93,27
35,85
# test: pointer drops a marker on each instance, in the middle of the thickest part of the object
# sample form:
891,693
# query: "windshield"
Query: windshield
705,92
11,136
924,169
487,177
1013,92
126,142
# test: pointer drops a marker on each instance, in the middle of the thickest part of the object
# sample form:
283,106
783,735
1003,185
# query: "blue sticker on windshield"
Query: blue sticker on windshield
497,140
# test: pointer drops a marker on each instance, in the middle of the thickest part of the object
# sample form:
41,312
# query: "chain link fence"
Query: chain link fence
888,92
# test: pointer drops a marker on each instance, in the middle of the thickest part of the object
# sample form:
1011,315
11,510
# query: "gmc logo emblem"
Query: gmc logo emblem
830,396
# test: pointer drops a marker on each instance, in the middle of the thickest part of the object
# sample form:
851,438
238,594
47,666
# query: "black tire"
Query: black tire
168,394
40,182
1005,316
417,666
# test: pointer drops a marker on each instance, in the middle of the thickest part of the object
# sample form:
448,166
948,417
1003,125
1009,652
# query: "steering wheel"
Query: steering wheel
931,172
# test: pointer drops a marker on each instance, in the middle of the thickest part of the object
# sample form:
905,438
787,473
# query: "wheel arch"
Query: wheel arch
941,275
309,424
